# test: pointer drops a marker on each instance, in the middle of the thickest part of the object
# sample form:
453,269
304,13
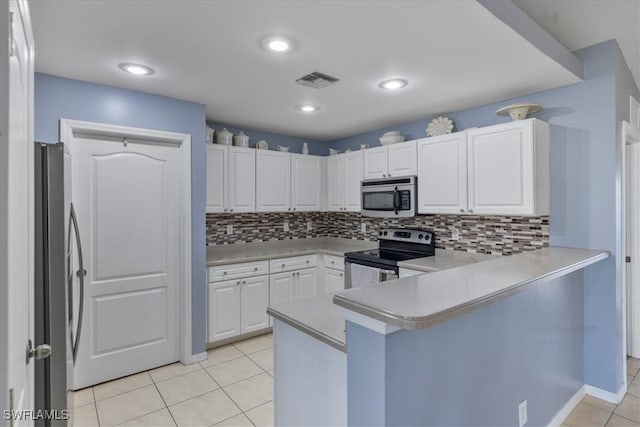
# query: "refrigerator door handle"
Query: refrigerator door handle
81,274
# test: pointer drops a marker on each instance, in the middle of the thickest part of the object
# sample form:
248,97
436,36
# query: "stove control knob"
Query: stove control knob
380,233
420,236
385,233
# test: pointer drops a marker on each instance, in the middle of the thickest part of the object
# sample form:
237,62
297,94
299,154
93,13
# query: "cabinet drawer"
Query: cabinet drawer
236,271
293,263
335,262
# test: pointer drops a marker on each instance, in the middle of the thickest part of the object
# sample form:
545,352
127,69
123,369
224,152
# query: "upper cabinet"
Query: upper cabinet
306,182
230,179
495,170
390,161
344,174
273,181
509,169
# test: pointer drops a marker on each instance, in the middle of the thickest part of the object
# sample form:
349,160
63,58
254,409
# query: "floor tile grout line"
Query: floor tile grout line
165,405
230,398
223,361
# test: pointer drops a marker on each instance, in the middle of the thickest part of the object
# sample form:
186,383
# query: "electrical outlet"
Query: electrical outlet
363,227
309,226
455,234
229,229
522,413
285,226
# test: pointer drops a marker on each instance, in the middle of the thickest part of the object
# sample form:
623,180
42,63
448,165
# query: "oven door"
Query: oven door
388,200
359,275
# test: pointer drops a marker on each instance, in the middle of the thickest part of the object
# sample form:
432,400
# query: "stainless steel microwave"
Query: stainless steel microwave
389,197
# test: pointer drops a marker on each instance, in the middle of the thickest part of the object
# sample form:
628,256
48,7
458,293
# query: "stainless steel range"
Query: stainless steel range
365,268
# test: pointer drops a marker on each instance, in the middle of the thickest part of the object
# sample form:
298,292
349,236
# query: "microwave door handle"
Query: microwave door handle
396,200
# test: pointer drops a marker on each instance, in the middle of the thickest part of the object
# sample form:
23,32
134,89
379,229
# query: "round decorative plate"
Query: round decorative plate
262,145
440,126
519,111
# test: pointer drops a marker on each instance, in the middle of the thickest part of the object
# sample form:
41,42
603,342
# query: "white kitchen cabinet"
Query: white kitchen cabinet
254,300
217,163
442,174
334,280
293,285
230,179
344,175
508,169
391,161
273,181
306,284
375,163
224,310
306,182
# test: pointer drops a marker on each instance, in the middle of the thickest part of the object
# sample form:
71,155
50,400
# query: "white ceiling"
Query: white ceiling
580,23
455,55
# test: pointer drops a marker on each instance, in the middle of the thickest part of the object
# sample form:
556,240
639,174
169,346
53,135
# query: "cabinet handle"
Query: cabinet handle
294,209
244,282
255,268
333,262
282,266
238,282
224,273
307,261
471,210
230,210
226,210
289,208
341,274
462,210
388,174
384,175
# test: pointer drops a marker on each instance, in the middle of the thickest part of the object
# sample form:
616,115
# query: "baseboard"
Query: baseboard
607,395
195,358
568,407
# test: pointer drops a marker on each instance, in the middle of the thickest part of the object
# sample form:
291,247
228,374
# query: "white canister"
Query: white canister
305,148
224,137
241,140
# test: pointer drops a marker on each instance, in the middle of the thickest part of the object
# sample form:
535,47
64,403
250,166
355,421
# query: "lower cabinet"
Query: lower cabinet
237,307
334,280
293,285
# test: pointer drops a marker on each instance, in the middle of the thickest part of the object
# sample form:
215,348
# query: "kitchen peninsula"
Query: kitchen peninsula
485,336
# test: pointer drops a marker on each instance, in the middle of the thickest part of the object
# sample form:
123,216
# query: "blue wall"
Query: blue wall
584,169
58,98
473,370
319,148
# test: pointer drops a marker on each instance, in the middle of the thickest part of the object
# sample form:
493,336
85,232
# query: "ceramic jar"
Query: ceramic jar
241,140
224,137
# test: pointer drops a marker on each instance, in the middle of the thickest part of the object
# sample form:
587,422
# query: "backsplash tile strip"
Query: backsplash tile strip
504,235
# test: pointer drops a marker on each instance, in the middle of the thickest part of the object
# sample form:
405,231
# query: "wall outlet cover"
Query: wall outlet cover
309,226
455,234
285,226
229,229
363,227
522,413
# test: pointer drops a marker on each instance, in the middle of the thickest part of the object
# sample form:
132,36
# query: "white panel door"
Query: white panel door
375,163
353,178
16,212
242,179
442,174
254,300
500,161
306,283
281,287
273,181
217,198
402,159
334,280
306,189
127,202
335,182
224,310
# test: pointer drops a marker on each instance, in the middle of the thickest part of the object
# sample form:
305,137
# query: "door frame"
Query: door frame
70,128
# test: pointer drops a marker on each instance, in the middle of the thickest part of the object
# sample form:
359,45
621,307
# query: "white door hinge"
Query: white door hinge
12,41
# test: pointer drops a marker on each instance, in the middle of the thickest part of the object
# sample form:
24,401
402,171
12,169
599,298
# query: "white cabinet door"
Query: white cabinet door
334,280
402,159
224,310
335,182
273,181
353,177
501,174
375,163
306,284
306,174
216,178
442,174
242,179
254,300
281,287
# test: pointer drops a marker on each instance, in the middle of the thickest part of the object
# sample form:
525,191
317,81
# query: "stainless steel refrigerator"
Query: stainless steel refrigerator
59,275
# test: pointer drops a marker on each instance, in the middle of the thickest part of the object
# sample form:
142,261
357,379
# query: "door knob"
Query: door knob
40,352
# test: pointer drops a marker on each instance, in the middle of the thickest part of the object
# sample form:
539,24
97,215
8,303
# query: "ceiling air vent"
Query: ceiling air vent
316,80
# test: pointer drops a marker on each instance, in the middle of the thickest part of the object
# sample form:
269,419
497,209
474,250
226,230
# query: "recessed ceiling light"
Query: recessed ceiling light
307,108
277,44
393,84
137,69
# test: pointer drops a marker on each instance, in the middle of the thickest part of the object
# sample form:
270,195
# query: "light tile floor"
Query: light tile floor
234,387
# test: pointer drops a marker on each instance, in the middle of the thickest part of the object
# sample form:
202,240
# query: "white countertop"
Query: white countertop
424,300
444,260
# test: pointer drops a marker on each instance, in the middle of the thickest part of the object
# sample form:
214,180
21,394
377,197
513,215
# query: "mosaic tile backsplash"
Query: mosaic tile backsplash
504,235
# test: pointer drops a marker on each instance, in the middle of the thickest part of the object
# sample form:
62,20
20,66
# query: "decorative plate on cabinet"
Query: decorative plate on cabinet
262,145
439,126
519,111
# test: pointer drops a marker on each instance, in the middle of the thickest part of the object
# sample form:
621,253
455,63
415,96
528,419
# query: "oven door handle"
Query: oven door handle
396,200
